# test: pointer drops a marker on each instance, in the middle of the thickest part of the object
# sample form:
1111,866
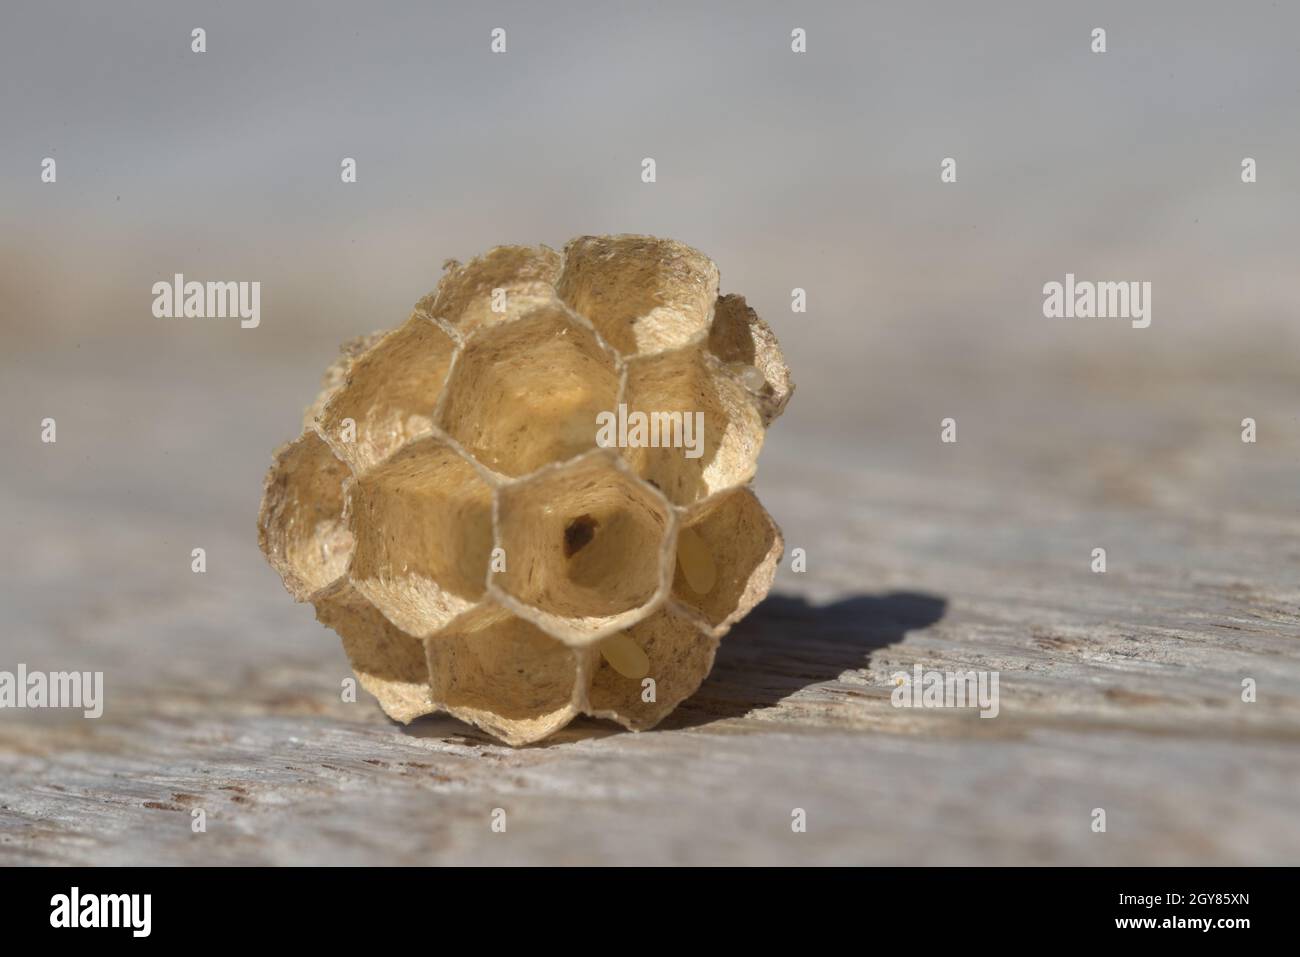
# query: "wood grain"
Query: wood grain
1119,691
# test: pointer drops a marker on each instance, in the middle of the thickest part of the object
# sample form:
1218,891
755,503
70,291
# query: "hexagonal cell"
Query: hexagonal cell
587,548
503,674
423,526
301,526
337,374
678,654
390,665
746,345
728,549
526,393
390,393
666,392
464,297
642,294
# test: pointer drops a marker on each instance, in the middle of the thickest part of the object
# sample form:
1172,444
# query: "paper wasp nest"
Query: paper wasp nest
452,510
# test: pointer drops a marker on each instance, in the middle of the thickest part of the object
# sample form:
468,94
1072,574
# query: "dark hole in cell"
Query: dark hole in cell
579,534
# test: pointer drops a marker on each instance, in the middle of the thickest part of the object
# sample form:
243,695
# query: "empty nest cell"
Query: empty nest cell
422,522
389,395
526,393
685,393
300,527
642,294
502,284
503,674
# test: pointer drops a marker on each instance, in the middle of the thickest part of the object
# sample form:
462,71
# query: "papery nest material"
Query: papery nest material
449,511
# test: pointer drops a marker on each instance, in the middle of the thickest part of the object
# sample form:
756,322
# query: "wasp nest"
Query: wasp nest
531,500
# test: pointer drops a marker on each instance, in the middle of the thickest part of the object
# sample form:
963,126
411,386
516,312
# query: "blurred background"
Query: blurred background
818,171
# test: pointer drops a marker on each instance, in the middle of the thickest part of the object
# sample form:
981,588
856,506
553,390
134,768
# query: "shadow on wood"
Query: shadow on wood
787,644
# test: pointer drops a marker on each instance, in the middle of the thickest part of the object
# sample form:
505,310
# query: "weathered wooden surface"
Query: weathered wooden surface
1119,691
819,171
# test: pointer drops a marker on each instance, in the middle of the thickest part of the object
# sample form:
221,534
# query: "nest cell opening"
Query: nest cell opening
502,673
526,393
748,348
727,552
301,525
390,394
642,294
423,527
390,664
676,654
683,386
499,286
583,541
